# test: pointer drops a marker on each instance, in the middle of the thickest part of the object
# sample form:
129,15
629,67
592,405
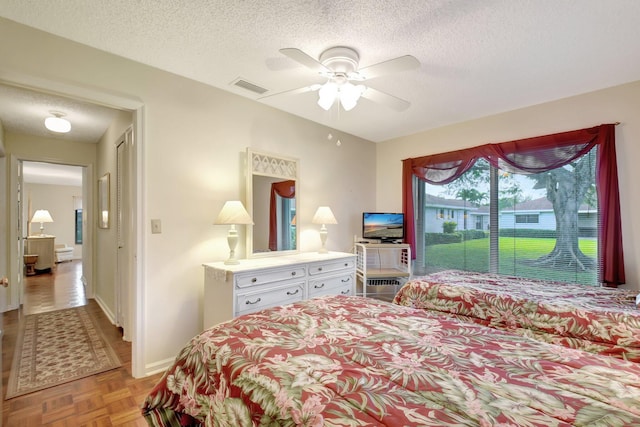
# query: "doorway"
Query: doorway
134,111
56,189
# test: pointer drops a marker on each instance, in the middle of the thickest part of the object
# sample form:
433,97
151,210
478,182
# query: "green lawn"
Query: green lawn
473,255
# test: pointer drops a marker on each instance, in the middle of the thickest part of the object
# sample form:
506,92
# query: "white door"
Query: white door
124,229
4,282
3,264
21,234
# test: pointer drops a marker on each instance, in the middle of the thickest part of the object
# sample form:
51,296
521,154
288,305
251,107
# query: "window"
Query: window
549,204
527,219
524,246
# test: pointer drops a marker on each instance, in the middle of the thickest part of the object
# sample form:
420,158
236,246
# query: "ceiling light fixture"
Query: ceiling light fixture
340,88
57,123
340,65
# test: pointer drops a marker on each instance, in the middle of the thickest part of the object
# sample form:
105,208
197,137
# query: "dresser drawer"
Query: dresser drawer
261,277
330,285
331,266
253,301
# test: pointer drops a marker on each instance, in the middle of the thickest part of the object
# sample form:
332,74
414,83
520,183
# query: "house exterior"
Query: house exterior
534,214
439,210
538,214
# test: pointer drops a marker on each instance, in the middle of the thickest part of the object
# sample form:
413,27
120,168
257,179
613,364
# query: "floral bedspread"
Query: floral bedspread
598,320
353,361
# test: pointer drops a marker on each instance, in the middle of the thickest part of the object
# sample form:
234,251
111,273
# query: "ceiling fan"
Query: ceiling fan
339,65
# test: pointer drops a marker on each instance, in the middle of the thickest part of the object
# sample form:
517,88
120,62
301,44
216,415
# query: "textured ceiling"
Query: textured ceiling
479,57
23,111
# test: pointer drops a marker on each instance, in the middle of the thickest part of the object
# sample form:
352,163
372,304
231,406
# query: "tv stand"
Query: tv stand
381,268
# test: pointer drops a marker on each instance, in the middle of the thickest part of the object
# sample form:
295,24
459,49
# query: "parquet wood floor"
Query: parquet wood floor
111,398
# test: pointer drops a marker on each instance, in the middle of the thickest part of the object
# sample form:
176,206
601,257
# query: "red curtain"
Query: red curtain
286,189
535,155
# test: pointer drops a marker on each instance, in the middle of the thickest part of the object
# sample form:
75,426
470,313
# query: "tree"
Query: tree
568,188
471,195
468,187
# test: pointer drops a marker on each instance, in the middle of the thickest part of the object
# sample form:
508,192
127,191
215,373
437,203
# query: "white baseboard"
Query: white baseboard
106,310
157,367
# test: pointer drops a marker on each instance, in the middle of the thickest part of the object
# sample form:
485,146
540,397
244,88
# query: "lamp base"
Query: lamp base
323,239
232,239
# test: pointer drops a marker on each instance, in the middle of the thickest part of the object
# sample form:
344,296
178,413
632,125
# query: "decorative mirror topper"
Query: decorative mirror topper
267,164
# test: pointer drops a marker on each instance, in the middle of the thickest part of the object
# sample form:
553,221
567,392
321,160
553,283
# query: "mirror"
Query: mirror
272,201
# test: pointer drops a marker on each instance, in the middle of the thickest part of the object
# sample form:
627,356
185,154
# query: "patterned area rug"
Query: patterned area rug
57,347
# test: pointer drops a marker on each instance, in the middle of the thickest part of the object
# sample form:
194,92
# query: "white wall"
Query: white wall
59,201
621,103
106,238
195,138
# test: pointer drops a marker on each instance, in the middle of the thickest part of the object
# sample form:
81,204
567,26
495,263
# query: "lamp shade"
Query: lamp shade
349,95
324,216
42,215
233,212
346,92
327,95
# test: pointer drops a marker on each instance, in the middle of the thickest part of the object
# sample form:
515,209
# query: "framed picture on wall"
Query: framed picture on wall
103,201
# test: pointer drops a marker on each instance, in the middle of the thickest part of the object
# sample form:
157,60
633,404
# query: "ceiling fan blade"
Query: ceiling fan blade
395,65
304,59
390,101
293,91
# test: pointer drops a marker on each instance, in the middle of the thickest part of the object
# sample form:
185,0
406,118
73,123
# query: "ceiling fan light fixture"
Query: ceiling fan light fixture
349,95
327,95
57,123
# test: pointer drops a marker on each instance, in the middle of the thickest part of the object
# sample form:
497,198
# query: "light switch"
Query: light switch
156,226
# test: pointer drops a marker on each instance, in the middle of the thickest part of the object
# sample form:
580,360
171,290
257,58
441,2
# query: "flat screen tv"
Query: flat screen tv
382,226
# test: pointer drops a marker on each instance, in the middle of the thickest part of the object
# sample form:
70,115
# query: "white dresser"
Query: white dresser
254,284
43,247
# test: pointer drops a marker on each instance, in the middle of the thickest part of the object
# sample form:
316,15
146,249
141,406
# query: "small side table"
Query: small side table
30,262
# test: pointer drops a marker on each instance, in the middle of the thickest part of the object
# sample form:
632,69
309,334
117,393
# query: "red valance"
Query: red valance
536,155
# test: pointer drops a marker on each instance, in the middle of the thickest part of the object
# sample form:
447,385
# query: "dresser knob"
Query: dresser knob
254,302
254,280
319,286
345,292
293,273
348,279
319,268
292,293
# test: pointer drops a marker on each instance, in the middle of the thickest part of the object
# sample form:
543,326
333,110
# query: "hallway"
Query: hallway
54,291
112,398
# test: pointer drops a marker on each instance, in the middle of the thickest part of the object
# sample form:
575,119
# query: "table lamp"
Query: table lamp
324,216
42,216
233,213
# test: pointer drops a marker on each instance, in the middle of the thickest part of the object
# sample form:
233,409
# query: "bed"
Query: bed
599,320
354,361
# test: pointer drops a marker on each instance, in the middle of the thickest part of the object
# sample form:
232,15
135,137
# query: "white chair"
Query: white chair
63,253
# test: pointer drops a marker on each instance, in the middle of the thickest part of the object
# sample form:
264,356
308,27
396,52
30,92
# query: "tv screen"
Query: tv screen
383,226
